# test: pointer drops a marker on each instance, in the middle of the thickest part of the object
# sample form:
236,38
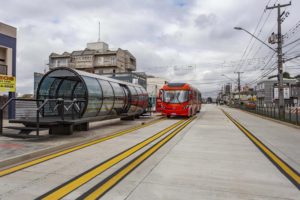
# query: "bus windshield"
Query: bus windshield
175,96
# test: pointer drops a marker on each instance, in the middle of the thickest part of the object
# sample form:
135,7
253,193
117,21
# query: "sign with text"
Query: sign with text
7,83
286,93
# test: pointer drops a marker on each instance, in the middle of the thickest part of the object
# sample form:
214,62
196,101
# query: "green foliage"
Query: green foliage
286,75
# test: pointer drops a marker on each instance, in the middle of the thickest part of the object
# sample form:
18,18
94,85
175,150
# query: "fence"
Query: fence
290,114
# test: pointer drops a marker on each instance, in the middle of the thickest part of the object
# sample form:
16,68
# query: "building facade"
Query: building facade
8,51
267,92
154,84
296,92
96,58
139,78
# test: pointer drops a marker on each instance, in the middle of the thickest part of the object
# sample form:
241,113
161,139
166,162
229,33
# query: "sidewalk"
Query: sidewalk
281,139
14,150
214,160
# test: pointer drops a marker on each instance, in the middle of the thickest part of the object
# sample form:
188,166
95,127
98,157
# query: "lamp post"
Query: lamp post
242,29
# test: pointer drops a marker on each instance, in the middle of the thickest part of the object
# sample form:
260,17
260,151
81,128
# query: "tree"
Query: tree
286,75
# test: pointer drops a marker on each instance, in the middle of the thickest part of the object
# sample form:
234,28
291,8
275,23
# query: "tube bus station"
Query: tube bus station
68,100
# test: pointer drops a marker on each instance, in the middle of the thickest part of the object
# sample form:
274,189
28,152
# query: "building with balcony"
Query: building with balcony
95,58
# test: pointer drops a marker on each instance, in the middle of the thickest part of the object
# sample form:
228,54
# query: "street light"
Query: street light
240,28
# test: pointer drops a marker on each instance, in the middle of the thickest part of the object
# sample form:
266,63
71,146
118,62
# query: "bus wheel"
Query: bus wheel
168,116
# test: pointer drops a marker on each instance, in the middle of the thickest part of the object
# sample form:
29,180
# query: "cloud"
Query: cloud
203,20
166,37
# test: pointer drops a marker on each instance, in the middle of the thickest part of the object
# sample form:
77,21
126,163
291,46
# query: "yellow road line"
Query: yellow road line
69,150
64,189
104,186
291,173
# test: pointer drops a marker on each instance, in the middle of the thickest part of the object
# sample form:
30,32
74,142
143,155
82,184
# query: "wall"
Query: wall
8,40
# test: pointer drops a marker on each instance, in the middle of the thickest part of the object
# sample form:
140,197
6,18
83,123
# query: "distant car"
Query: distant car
250,105
221,102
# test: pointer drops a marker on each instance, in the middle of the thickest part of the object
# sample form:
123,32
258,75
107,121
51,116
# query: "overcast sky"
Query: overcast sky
181,40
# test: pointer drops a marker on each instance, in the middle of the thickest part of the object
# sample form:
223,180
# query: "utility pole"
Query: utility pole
279,55
239,85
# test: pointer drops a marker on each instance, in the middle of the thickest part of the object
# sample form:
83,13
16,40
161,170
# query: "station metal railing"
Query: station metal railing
291,114
35,109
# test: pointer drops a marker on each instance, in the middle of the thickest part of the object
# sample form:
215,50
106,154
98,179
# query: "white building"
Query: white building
154,84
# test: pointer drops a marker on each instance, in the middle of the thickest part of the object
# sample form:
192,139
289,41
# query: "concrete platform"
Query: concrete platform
210,159
13,150
38,179
282,139
213,160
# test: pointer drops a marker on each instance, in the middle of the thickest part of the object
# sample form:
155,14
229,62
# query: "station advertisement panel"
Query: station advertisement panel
7,83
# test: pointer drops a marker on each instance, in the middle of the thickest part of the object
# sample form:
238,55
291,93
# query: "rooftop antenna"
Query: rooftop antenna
99,33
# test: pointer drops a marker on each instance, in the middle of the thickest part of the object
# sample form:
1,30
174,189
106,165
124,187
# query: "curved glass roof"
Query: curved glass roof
96,95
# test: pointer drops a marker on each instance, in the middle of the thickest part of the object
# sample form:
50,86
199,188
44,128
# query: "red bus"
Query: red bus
180,99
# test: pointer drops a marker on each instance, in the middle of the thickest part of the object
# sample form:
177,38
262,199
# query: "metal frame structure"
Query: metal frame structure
68,99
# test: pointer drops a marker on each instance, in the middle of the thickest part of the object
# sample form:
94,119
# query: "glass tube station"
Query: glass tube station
87,97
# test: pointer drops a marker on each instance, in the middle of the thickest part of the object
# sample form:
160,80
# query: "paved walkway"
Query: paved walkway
210,159
213,160
282,139
16,147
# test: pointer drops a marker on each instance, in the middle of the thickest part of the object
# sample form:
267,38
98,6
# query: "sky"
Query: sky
180,40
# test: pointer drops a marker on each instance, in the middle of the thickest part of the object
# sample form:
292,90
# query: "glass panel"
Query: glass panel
134,99
80,94
94,96
127,98
140,96
108,97
119,98
53,88
175,96
144,97
43,92
65,89
58,84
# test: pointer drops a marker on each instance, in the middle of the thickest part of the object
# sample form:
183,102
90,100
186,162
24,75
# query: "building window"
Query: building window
100,60
113,60
3,69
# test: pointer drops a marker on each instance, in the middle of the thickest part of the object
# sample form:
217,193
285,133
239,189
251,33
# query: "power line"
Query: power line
259,21
260,31
292,42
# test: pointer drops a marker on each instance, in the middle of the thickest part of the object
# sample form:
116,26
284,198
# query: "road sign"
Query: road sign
7,83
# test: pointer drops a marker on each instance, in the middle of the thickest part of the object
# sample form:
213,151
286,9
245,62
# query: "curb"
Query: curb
10,162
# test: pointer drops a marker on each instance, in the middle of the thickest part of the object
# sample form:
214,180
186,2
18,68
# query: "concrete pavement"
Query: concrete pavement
213,160
14,150
210,159
282,139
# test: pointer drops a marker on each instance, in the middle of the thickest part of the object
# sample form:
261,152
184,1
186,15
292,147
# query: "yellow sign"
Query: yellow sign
7,83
